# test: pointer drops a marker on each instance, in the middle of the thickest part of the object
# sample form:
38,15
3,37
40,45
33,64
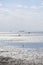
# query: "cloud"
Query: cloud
16,15
1,4
41,6
42,3
19,6
22,6
33,7
27,19
25,6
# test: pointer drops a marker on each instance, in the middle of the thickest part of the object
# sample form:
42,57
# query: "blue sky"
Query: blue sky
16,15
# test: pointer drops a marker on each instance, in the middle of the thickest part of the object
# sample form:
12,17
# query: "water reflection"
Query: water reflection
22,45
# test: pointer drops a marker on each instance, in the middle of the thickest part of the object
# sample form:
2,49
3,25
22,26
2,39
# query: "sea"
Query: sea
23,44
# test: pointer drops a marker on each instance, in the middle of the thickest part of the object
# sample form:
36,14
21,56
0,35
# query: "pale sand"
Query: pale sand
20,56
22,38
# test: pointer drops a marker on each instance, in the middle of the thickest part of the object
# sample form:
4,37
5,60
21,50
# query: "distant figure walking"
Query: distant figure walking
23,45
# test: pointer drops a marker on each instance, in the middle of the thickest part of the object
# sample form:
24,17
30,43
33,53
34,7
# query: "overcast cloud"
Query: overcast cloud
16,15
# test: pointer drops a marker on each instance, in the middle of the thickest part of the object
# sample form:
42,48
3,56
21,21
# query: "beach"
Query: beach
20,56
19,37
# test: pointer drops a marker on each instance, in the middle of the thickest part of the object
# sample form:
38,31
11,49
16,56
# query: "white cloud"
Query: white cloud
19,6
25,6
23,18
1,4
41,6
42,3
22,6
33,7
20,14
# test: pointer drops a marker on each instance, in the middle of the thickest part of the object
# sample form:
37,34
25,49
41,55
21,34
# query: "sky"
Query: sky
17,15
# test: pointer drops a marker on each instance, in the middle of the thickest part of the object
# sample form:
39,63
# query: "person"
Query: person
23,45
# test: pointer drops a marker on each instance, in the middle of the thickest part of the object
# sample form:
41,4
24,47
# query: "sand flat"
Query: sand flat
21,54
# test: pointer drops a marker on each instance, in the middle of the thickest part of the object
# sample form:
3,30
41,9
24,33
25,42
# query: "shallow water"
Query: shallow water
22,44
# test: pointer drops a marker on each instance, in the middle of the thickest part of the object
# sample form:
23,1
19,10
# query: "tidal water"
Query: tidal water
23,44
